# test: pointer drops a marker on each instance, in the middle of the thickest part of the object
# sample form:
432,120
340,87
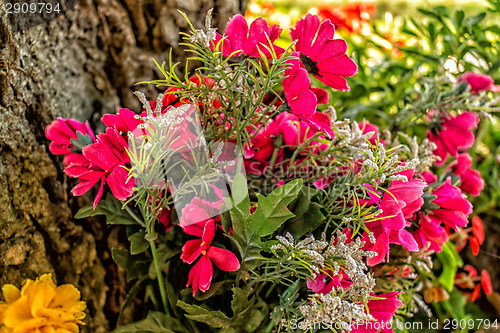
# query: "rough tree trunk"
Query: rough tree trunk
80,65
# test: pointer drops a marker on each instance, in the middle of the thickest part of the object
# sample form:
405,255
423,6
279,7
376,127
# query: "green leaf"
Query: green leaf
239,205
272,210
245,315
138,243
215,319
155,322
308,214
111,208
135,266
476,19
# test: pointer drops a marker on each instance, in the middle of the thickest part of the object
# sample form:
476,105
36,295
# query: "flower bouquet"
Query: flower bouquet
250,205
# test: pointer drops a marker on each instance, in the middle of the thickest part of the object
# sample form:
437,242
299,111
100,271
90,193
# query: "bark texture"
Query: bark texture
80,65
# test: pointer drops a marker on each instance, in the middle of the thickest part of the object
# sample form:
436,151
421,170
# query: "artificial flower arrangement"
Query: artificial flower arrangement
250,206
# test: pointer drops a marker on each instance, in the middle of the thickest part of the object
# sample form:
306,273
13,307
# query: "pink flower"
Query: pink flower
402,201
454,209
383,311
470,179
200,275
302,99
477,82
105,161
430,233
124,121
324,283
367,127
296,86
61,132
453,134
242,39
323,56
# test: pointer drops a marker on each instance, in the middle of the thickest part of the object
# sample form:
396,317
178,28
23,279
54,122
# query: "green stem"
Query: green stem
159,276
269,327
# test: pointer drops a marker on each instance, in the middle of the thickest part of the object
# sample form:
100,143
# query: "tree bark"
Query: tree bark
80,65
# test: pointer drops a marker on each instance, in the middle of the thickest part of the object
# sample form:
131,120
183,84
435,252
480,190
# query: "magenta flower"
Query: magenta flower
477,82
296,86
124,121
105,161
453,135
383,311
323,283
402,201
470,179
200,275
367,127
323,56
454,209
61,132
430,234
244,40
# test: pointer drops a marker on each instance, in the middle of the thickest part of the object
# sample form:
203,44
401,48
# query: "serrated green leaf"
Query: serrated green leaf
215,319
111,208
272,210
155,322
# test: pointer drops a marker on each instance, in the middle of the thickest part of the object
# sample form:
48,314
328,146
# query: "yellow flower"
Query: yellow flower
41,307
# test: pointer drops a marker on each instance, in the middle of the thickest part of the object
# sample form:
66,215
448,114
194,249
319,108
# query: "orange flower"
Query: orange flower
41,307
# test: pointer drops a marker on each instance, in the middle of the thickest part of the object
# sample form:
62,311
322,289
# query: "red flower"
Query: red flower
105,161
244,40
477,82
200,275
454,209
351,16
61,132
470,179
323,56
453,135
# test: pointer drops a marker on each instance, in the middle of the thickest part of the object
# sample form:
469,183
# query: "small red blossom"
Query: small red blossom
352,16
486,282
321,55
200,275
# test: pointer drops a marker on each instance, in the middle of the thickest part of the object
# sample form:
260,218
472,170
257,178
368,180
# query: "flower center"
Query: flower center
310,65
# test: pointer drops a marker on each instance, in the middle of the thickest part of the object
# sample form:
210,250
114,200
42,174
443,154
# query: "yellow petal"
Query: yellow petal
10,293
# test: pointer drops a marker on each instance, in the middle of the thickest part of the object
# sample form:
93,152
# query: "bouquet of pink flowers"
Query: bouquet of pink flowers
250,205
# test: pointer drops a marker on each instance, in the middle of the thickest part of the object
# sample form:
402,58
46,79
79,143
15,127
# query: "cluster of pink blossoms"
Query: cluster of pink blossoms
403,220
